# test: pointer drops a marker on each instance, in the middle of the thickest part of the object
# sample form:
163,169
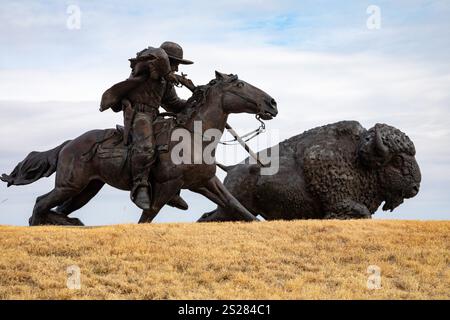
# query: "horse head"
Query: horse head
238,96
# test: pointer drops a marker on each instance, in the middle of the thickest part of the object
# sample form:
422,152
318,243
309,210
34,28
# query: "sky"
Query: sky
323,61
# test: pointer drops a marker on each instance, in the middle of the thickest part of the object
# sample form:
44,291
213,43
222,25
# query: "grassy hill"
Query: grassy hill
266,260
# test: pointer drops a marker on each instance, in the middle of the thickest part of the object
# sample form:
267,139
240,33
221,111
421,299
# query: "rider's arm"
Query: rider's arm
171,102
153,62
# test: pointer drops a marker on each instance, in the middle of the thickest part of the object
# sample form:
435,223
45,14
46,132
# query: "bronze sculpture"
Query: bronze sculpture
85,164
149,86
340,171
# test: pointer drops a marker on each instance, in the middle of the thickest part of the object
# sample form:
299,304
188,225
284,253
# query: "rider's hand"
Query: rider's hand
171,78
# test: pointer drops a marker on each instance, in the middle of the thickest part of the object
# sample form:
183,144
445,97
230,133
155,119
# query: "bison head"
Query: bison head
391,153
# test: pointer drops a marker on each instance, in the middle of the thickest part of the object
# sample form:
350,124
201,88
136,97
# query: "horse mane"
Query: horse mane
199,95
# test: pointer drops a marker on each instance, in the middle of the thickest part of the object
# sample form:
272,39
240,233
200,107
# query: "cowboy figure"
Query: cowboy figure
150,85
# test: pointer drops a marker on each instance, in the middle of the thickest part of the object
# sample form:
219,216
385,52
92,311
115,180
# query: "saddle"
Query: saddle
109,142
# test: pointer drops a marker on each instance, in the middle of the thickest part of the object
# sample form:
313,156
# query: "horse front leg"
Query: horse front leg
162,193
215,191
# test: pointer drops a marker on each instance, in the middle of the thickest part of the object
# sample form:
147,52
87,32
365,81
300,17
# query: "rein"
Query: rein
250,135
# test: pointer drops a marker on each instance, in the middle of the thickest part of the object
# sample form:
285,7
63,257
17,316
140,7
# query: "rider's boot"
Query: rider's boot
140,170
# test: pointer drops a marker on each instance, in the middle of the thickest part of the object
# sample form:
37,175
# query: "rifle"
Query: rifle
183,80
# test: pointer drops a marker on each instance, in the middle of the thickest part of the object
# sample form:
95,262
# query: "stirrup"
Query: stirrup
145,202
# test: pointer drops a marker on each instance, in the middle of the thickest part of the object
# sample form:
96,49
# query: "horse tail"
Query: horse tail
35,166
224,167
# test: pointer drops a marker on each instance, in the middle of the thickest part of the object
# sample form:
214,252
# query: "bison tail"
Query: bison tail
35,166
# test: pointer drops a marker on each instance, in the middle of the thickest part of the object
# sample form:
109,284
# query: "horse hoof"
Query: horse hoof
206,217
53,218
75,222
33,222
178,202
254,219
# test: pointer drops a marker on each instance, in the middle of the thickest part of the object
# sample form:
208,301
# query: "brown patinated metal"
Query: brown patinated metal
337,171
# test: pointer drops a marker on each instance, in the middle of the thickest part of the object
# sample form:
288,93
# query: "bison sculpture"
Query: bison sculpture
339,171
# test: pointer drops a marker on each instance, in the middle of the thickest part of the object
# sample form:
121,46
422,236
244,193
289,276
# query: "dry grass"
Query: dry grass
267,260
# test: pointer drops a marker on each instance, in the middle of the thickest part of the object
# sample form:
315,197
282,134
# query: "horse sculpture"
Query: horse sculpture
85,164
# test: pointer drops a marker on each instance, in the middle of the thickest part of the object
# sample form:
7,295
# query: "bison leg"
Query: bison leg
348,209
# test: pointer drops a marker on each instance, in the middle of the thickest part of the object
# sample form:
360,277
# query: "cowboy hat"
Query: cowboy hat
175,52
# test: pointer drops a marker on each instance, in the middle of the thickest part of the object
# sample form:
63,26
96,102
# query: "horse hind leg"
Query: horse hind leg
42,214
81,199
162,193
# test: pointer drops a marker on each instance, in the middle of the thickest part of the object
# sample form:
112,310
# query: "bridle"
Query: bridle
252,134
